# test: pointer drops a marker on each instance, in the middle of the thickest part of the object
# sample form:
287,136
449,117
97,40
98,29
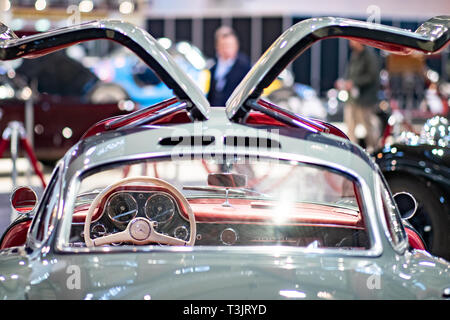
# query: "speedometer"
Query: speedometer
122,208
160,208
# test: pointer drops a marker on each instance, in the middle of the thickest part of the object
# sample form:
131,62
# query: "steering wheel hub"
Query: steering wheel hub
140,229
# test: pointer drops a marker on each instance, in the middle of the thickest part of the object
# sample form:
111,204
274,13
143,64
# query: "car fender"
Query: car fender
16,234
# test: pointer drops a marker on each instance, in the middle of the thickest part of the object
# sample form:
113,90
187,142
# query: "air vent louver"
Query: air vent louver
187,141
251,142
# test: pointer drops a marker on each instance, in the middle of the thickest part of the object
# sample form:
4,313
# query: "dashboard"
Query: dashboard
161,207
122,206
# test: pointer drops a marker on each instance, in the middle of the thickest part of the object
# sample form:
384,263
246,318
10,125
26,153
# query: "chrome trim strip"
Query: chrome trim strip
402,246
157,115
127,117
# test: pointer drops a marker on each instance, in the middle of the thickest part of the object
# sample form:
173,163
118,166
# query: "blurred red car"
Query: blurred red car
63,104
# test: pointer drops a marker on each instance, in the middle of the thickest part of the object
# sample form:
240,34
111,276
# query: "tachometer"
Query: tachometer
160,208
122,207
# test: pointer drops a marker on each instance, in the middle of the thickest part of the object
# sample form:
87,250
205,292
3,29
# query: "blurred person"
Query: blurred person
229,69
362,82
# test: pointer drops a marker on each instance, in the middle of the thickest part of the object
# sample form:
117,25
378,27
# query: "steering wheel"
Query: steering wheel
139,230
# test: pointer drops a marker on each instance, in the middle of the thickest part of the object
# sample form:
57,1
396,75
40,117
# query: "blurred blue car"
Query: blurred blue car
139,83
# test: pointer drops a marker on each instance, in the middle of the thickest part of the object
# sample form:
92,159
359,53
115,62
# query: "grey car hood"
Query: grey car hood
217,274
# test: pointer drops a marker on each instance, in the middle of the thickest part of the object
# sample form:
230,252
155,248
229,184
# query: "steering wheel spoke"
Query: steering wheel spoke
123,236
164,239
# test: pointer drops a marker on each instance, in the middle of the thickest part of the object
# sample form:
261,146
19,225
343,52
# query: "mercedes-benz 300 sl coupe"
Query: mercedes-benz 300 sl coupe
247,201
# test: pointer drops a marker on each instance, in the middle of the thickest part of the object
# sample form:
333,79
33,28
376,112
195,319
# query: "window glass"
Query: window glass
236,202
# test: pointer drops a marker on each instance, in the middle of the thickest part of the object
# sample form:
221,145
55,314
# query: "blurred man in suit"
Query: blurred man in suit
230,68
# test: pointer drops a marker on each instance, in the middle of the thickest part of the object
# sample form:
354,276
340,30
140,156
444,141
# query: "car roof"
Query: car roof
264,141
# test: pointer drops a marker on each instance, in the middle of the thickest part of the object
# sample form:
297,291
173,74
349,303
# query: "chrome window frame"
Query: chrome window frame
401,247
56,178
369,210
139,41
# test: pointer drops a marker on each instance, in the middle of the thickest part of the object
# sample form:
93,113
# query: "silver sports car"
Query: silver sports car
247,201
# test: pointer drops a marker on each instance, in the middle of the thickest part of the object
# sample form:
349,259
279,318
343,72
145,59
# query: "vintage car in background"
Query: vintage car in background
420,165
139,83
59,89
251,201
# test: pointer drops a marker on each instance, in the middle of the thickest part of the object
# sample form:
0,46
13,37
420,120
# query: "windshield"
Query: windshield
235,202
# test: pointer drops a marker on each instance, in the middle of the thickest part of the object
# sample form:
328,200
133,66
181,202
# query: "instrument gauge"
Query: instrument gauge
160,208
98,230
181,232
121,209
229,236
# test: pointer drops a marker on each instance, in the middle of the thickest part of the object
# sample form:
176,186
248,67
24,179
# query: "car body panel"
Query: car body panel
221,274
16,234
122,144
296,145
54,270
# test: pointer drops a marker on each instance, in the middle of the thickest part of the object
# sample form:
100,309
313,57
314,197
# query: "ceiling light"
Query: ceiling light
17,24
86,6
165,42
5,5
126,7
40,5
42,25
